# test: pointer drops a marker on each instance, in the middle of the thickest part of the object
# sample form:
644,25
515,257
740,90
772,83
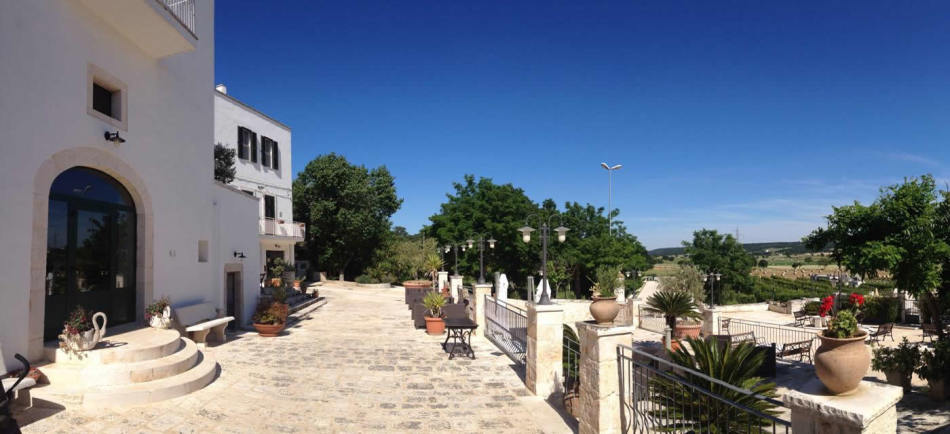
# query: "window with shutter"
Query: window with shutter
275,155
242,143
265,151
253,141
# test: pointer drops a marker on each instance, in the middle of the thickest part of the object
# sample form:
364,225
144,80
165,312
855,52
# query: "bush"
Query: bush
812,307
362,278
905,358
270,313
880,310
936,364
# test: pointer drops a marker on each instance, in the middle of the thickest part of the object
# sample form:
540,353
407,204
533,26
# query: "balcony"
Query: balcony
161,28
281,229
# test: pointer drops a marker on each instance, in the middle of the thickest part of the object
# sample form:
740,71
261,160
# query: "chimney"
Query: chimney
221,88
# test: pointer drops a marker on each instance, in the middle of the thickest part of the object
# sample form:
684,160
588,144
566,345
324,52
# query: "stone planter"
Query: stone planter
604,309
898,378
268,330
162,321
938,389
841,363
435,326
88,339
687,330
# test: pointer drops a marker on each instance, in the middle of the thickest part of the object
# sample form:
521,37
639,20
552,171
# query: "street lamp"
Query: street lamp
454,247
481,253
712,278
526,237
610,190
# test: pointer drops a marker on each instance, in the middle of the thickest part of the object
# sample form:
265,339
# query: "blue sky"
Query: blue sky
756,115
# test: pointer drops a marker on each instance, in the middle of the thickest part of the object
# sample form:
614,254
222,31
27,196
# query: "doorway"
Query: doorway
231,288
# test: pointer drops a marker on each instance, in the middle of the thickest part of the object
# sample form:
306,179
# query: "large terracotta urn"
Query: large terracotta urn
269,330
604,309
841,363
434,325
685,330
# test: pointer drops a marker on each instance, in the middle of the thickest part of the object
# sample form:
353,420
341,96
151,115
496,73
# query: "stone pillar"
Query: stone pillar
633,309
600,381
545,339
870,409
443,279
482,290
711,322
455,286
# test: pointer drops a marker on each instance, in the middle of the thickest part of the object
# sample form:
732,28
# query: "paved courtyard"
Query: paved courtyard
353,365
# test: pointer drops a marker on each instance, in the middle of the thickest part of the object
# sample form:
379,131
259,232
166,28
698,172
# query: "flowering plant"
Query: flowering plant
844,322
79,321
156,308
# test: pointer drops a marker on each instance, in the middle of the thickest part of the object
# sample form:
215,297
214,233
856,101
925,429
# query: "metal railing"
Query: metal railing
657,395
651,321
506,326
771,333
281,228
183,11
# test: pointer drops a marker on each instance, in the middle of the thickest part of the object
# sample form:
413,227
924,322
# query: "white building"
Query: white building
263,170
106,174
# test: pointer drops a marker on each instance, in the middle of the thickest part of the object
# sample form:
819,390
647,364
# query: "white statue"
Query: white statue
540,289
501,292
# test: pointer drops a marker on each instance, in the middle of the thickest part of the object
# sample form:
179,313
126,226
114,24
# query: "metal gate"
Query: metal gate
657,395
506,327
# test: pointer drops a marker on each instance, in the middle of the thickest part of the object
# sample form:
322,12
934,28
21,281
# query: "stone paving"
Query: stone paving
352,365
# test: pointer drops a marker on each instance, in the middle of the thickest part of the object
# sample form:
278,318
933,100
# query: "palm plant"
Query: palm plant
432,263
673,304
433,303
692,402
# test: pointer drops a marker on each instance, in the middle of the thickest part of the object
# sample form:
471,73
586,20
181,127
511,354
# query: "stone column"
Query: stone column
711,322
545,339
600,381
443,279
455,286
870,409
481,291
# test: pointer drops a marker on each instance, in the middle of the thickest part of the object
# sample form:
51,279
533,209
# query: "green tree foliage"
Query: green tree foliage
905,231
763,263
400,258
713,252
223,164
686,278
346,209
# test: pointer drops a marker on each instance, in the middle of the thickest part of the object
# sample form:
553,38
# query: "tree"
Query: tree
346,209
713,252
688,279
763,263
223,164
904,231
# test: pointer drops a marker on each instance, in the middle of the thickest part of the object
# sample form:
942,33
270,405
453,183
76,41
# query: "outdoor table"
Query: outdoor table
459,330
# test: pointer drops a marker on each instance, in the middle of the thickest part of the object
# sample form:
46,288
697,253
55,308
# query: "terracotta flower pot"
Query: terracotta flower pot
417,284
296,284
276,282
684,330
268,330
898,378
841,363
435,326
604,309
674,346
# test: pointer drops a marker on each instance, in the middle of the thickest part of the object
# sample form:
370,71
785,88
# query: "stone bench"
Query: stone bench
200,319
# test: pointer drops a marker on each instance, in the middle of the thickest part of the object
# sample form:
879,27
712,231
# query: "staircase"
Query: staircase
136,367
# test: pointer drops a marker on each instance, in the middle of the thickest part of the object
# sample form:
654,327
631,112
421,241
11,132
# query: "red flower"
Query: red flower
826,304
856,299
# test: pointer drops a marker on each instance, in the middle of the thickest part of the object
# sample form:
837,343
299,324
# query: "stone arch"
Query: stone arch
115,167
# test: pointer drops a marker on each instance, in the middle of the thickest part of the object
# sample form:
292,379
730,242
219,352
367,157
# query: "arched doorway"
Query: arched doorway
90,248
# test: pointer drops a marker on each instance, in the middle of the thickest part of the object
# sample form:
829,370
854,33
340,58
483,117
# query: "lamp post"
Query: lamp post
610,190
454,247
481,253
526,237
712,278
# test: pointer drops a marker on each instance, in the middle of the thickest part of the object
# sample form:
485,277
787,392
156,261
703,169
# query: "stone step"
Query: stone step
198,376
129,347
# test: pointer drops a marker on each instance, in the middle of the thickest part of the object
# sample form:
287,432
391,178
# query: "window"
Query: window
274,155
269,208
252,139
106,98
102,100
242,143
202,250
265,150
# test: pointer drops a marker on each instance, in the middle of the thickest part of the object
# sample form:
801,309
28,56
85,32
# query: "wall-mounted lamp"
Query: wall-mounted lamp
114,137
239,255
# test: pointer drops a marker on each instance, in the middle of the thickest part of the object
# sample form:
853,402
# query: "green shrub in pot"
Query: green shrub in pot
898,364
935,368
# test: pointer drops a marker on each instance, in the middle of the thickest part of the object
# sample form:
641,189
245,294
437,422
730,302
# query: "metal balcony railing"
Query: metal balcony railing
281,228
184,11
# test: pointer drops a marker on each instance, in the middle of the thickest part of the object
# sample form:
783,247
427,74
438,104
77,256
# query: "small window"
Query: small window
202,250
242,143
106,98
269,209
265,151
102,100
275,155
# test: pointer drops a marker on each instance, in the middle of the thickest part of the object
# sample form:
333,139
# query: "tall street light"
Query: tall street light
455,247
526,237
712,278
481,253
610,190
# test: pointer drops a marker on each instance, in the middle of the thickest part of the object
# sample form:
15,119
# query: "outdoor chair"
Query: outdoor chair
800,318
724,326
883,331
930,331
802,349
746,337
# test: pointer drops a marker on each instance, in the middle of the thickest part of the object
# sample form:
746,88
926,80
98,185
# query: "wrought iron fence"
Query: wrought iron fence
183,11
790,342
659,396
506,326
570,360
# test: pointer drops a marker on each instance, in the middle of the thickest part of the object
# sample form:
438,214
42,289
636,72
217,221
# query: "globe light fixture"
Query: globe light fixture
526,233
561,237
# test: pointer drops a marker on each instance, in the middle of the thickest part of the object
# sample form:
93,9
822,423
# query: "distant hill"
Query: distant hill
791,247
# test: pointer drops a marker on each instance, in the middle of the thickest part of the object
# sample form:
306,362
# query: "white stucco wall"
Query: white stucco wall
236,230
46,48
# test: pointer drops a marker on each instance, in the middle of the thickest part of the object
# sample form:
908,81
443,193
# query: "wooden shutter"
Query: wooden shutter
242,143
253,146
265,151
275,155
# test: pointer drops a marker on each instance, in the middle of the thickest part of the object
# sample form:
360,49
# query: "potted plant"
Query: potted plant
604,307
897,364
158,314
842,359
673,305
433,303
936,368
276,270
432,263
269,317
81,332
298,280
